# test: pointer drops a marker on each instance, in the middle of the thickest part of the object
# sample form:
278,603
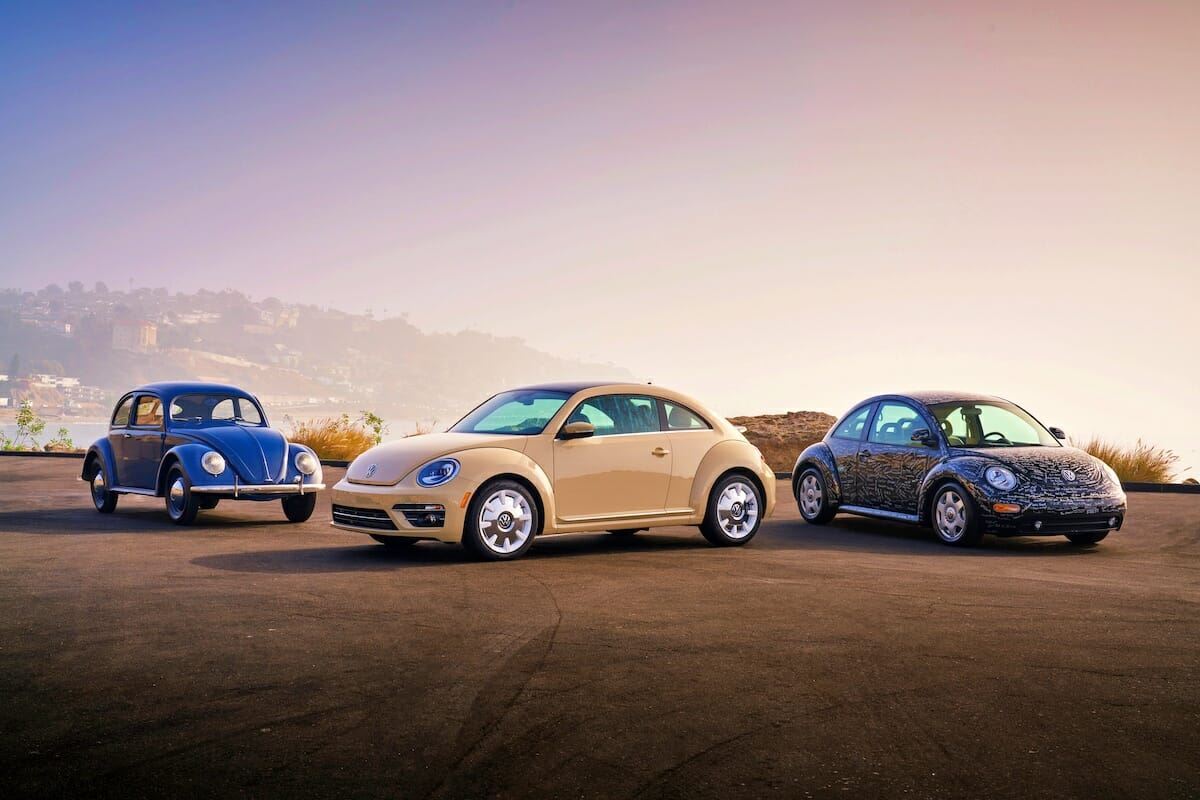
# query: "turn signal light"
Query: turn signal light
1006,508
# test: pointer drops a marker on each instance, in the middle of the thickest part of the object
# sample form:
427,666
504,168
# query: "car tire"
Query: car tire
395,542
1085,539
104,500
298,508
209,503
953,517
734,514
182,504
501,523
812,498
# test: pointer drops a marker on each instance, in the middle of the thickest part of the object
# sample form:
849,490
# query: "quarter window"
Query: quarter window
894,424
149,413
617,414
680,418
121,415
853,426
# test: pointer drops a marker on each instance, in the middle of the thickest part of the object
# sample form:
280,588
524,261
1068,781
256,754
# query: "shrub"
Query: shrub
29,427
338,438
1142,463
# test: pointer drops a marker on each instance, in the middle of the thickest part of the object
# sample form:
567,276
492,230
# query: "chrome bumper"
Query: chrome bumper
239,489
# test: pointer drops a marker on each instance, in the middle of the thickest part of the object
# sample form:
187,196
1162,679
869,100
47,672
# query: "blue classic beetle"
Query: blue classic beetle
212,443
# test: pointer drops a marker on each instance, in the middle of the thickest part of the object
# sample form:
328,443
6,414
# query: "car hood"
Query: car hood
1045,465
388,463
258,455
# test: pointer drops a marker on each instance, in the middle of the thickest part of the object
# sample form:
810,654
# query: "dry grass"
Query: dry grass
1142,463
336,438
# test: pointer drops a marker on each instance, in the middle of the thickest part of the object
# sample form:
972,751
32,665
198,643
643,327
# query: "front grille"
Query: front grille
371,518
1071,523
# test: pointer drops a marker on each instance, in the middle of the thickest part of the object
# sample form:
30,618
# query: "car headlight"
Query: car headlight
1111,473
213,462
306,462
1000,478
435,473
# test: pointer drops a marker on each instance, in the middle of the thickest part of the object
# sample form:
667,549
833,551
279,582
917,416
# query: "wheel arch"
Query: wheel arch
98,453
528,484
821,457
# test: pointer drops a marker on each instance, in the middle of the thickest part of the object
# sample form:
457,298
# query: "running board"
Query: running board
862,511
131,490
646,515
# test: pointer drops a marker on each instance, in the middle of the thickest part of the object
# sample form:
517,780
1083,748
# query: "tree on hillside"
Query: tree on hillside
100,288
14,367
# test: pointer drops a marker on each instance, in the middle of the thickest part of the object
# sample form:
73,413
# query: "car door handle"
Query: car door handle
126,435
660,451
865,454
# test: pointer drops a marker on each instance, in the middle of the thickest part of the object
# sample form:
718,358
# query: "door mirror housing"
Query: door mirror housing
924,436
1058,433
577,430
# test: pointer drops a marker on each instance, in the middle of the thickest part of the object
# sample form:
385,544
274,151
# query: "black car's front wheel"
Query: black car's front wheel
182,504
298,508
954,517
1084,539
812,497
104,500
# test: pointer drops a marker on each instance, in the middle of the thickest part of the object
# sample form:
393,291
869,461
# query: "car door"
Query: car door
891,466
844,443
144,442
622,470
120,439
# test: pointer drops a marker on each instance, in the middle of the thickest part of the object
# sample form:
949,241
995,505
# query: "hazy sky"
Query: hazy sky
774,205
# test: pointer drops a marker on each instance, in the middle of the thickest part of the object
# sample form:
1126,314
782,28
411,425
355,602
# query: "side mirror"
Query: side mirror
1058,433
577,430
923,436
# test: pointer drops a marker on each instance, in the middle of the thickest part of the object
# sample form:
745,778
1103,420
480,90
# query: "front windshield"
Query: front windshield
525,412
990,424
203,410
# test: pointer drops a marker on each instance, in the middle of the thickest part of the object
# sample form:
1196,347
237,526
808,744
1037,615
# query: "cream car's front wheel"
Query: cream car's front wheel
734,512
502,520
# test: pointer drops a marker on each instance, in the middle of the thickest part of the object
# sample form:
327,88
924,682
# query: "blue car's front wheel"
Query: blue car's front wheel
182,505
300,507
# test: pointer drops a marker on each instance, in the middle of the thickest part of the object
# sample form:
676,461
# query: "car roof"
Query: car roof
176,388
931,397
570,387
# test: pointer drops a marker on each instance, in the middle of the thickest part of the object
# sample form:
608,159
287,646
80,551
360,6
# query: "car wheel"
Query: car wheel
209,503
501,522
1086,538
182,504
734,512
395,542
104,500
954,518
812,497
298,508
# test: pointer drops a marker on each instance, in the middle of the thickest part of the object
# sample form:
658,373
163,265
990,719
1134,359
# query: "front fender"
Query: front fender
964,470
820,456
722,457
291,473
101,450
479,465
188,456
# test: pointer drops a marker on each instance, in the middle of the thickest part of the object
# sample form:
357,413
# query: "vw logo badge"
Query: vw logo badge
1068,475
371,470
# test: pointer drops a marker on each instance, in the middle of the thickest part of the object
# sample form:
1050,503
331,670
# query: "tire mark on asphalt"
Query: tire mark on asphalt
536,650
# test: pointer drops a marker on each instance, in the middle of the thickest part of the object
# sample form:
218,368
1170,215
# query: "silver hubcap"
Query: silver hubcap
951,516
505,521
810,496
737,510
99,487
176,497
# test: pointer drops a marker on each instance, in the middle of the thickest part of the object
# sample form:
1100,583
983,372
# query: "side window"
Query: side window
680,418
616,414
121,415
894,424
854,425
148,413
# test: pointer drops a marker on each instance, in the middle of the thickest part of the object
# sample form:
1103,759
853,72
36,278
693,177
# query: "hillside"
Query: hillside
781,437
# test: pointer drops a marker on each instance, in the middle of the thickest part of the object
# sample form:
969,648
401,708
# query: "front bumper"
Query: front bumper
1054,517
236,490
392,510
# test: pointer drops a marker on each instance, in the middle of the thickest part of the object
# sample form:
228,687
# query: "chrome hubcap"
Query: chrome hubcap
810,496
177,497
737,510
505,521
99,487
951,516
